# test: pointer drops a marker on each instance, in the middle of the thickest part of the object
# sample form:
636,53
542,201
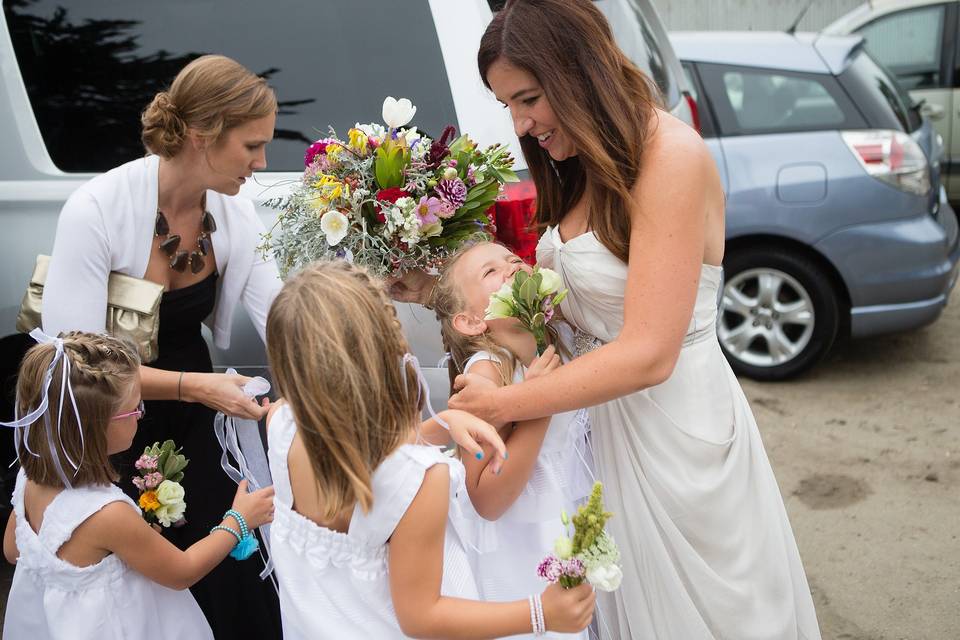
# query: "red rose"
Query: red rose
392,194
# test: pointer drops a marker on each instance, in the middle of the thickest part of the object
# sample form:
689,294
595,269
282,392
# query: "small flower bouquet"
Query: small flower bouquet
161,495
388,197
531,298
590,554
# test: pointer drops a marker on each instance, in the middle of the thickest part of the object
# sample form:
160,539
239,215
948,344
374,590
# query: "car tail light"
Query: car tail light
891,156
694,111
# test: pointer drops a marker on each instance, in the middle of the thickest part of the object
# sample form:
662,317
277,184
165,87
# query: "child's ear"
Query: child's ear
468,324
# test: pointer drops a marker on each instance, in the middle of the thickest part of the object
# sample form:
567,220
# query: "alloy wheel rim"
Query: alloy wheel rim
766,318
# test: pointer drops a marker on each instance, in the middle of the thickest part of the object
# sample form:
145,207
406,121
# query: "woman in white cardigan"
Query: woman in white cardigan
174,218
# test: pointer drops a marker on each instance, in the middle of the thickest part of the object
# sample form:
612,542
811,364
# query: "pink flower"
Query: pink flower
453,192
427,210
572,568
153,480
317,148
146,462
139,484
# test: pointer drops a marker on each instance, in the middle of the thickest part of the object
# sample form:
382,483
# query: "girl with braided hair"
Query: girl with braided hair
369,537
88,566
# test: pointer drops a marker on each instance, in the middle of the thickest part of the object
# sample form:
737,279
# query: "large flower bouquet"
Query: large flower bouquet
388,197
161,494
591,554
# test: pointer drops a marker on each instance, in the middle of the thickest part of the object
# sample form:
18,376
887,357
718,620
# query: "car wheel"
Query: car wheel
779,314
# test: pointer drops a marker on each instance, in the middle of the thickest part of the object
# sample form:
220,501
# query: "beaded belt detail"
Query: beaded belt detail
584,342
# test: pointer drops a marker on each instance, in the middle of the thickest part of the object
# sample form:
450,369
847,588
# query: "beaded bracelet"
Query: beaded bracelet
541,623
247,543
244,530
220,527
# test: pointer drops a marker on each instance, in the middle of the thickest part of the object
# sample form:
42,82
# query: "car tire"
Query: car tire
779,313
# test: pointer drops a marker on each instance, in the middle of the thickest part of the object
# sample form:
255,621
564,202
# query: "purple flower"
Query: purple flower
547,308
453,191
550,568
572,568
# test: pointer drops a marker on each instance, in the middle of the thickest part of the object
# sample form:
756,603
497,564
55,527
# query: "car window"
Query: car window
882,99
91,66
635,37
769,101
909,43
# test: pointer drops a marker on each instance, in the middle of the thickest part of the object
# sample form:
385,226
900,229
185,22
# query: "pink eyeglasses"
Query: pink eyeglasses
139,413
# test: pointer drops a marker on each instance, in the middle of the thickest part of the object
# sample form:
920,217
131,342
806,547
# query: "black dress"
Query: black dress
236,602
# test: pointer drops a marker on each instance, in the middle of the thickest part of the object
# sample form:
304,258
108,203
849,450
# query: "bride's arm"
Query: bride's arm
677,186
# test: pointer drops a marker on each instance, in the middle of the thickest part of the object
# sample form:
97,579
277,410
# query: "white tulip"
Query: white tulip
605,578
334,226
397,113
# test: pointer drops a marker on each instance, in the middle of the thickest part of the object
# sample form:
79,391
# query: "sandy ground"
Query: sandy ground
866,449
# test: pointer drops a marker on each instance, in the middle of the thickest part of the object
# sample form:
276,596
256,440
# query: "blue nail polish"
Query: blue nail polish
505,455
479,455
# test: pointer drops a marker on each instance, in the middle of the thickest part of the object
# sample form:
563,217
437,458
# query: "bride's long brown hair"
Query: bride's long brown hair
602,99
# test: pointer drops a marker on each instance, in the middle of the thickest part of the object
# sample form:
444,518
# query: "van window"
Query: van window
766,101
91,66
909,44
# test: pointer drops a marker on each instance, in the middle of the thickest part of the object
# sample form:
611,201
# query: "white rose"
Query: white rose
550,282
499,306
334,226
172,505
397,113
605,578
563,547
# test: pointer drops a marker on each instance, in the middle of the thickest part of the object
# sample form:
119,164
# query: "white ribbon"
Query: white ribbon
423,389
42,409
240,440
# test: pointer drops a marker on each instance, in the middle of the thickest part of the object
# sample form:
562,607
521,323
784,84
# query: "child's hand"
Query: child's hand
568,610
542,365
468,431
256,507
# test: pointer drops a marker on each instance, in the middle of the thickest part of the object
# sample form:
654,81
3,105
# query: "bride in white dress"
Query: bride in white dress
634,209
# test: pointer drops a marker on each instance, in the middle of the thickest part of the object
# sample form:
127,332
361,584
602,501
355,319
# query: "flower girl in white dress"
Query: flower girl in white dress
368,539
88,566
517,517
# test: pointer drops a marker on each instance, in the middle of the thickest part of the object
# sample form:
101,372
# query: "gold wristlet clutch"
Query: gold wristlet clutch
133,308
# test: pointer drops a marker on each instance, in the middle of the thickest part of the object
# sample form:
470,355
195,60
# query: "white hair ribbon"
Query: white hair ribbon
42,409
423,389
240,440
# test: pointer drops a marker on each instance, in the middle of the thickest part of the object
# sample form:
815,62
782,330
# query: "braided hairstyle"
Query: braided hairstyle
336,349
102,371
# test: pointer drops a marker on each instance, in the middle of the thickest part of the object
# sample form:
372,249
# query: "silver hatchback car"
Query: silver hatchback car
836,220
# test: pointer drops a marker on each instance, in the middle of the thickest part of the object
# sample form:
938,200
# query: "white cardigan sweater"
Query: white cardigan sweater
107,225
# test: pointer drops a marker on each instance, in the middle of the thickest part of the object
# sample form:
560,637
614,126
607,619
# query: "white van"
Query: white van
75,74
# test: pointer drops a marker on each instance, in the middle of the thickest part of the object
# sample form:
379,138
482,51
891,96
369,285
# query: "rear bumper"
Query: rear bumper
931,280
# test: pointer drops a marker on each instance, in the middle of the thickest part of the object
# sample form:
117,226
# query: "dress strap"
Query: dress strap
72,507
477,357
396,483
280,435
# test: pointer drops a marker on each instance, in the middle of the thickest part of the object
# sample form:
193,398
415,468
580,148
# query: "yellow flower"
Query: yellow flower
358,141
149,501
330,190
333,153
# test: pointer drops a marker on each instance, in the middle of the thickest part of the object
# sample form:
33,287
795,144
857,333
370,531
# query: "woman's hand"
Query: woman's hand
543,364
468,431
257,507
413,286
223,392
477,395
568,610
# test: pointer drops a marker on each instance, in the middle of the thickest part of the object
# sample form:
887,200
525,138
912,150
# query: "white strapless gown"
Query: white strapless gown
708,552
